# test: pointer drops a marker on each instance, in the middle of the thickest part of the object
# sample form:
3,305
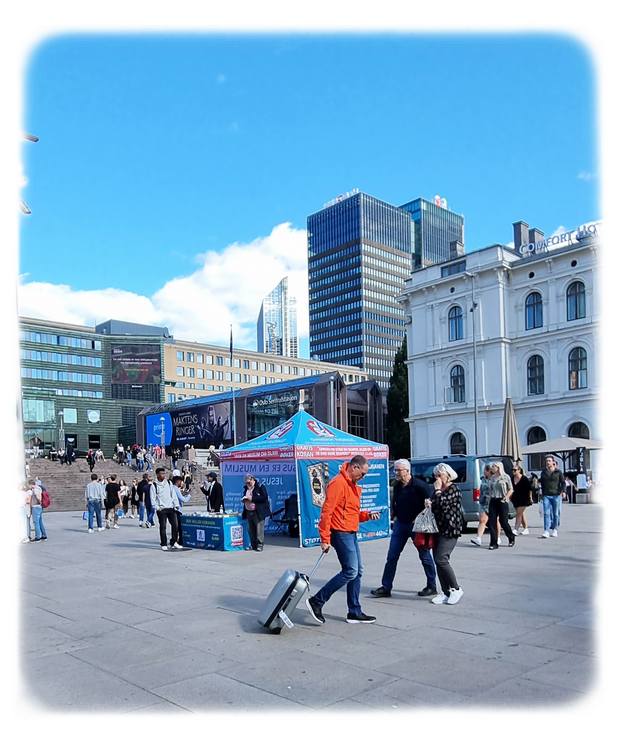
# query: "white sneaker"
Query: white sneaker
545,534
515,531
165,547
554,533
116,527
525,531
177,546
455,596
26,540
100,529
439,599
476,541
499,541
90,530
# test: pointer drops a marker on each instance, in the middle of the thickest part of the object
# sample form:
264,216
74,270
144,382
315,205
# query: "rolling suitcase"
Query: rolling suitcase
284,597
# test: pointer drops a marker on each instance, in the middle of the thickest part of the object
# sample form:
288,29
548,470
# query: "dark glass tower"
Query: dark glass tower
359,254
435,228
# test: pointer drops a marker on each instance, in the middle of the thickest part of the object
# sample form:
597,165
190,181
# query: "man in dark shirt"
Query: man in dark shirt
552,487
112,502
407,502
145,509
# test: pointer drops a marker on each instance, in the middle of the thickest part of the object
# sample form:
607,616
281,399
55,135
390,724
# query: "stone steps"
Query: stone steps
66,484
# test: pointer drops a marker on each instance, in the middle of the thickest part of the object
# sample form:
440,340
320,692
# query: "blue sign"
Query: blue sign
159,429
314,475
215,532
278,477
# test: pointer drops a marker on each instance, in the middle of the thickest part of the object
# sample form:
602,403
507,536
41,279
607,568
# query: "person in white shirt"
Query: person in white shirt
165,502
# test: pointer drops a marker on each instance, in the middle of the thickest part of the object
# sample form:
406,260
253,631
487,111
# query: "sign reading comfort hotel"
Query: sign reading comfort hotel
591,230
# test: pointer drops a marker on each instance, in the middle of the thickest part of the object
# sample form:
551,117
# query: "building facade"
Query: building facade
85,386
276,329
359,254
535,317
438,233
212,421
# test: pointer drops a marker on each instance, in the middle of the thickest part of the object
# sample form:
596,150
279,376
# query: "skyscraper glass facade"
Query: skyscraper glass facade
434,227
276,329
359,254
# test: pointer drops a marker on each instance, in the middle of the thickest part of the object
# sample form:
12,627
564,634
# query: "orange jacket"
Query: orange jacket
341,509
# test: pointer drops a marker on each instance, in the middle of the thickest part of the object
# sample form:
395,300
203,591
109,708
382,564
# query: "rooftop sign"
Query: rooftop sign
571,237
341,197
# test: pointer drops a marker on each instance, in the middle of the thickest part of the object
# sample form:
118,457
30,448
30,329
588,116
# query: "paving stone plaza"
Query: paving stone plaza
111,623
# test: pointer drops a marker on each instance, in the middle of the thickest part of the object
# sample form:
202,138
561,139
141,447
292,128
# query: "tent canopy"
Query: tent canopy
303,430
561,445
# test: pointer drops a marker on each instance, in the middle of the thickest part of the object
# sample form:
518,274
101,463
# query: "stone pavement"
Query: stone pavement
113,623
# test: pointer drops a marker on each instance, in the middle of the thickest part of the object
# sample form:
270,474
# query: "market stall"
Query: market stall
298,458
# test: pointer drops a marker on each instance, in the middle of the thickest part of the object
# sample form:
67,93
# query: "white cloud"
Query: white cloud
586,176
227,289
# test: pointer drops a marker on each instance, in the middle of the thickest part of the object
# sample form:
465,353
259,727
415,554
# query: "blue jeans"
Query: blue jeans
141,511
401,532
552,505
39,527
94,508
347,549
150,516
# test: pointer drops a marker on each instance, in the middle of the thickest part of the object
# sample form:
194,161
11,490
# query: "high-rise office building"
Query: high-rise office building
359,254
437,233
277,323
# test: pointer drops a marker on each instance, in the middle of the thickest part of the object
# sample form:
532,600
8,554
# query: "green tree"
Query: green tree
397,430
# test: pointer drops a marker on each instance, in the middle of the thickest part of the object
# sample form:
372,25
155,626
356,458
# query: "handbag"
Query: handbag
425,522
424,540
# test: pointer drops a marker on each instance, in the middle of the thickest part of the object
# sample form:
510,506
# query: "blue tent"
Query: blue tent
298,458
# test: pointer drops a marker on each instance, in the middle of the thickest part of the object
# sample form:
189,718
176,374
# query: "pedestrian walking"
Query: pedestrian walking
112,502
124,497
500,492
341,515
36,510
134,499
446,505
255,510
165,502
70,454
408,498
521,499
91,459
485,495
94,495
551,487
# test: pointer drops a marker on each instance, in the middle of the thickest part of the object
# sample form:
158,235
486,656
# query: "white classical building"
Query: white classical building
536,325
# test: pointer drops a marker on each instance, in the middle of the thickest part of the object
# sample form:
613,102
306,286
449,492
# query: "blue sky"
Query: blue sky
157,152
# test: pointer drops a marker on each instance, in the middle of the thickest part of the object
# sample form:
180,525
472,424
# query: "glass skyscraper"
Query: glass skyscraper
434,228
359,254
276,329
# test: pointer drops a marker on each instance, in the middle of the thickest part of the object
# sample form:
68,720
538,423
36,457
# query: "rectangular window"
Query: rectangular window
38,410
254,379
208,374
208,359
180,371
278,369
200,386
219,360
180,356
69,415
228,376
191,372
200,373
200,357
253,365
237,377
246,364
189,357
236,363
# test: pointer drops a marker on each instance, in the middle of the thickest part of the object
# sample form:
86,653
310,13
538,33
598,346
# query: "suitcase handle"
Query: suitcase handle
316,565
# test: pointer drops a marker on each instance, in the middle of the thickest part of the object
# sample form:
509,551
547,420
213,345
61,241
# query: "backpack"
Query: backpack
45,499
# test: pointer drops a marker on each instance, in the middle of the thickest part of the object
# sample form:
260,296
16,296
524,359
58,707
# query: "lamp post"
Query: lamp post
61,431
474,304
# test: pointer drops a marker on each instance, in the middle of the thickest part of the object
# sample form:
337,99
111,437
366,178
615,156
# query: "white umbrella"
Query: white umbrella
510,436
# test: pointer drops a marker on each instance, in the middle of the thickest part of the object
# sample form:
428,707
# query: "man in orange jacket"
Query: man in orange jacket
338,526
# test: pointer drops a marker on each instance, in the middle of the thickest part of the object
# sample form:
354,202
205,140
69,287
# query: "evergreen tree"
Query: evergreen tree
398,407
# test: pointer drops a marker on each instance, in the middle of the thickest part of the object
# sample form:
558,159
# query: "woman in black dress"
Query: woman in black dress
521,499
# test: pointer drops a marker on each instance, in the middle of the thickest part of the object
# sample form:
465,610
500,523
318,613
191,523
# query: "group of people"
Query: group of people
341,515
147,497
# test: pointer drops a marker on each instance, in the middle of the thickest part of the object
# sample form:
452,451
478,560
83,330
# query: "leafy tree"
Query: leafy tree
397,430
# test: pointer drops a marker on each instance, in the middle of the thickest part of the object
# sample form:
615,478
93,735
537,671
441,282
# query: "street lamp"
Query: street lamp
61,431
474,304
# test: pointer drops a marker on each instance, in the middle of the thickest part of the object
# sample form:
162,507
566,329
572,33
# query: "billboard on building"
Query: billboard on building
200,426
139,363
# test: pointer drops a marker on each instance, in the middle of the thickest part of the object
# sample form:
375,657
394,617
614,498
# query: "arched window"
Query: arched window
578,369
536,461
457,383
458,444
533,311
575,301
578,430
455,323
535,375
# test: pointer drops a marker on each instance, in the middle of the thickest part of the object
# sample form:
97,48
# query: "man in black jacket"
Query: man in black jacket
552,488
256,510
407,502
214,492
